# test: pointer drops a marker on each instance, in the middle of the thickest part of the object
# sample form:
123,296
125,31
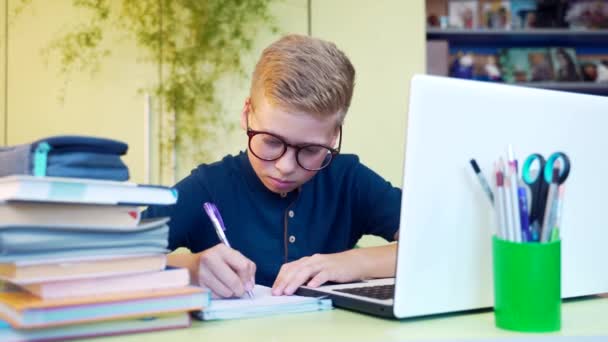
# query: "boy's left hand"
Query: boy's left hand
316,270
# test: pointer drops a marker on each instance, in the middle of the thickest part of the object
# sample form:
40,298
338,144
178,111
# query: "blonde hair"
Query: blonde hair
307,74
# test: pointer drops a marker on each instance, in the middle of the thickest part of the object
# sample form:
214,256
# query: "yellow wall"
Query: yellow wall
291,17
2,68
107,104
385,41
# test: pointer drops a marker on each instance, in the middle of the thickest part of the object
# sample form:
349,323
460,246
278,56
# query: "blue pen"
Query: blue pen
526,236
218,224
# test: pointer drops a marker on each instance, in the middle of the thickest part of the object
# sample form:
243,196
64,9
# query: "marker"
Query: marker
507,204
550,206
482,180
512,173
499,205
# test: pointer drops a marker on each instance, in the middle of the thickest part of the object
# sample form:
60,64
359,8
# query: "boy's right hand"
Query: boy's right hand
225,271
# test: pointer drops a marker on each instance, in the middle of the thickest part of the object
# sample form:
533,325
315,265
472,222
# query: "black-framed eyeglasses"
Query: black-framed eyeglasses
270,147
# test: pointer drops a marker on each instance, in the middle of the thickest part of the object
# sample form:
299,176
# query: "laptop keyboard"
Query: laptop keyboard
376,292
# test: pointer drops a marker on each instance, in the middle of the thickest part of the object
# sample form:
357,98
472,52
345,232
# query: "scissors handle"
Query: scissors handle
564,168
537,185
526,170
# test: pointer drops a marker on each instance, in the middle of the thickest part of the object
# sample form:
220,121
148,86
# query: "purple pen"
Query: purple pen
218,223
220,228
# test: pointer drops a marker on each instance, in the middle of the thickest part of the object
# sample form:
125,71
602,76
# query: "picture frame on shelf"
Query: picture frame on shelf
585,15
522,14
551,14
437,13
463,14
594,68
475,66
520,65
495,14
565,64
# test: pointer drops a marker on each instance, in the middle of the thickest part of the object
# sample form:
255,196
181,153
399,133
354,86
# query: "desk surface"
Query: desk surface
586,317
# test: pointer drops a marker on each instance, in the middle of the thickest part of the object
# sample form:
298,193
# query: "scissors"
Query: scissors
539,180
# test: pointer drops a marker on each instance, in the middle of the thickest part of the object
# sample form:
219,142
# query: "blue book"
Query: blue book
16,240
23,310
80,253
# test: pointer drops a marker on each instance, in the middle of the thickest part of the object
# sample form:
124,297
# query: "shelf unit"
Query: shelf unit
491,40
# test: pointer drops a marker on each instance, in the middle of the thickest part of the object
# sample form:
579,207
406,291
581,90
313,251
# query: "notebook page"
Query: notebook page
262,297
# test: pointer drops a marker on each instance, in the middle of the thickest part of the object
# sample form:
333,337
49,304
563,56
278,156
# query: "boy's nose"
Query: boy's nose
287,164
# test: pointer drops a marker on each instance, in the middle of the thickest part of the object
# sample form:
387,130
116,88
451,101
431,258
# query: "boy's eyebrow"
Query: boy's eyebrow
290,142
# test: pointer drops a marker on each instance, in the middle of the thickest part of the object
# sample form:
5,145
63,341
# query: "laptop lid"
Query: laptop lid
444,255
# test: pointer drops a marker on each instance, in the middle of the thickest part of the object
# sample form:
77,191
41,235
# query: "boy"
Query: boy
293,207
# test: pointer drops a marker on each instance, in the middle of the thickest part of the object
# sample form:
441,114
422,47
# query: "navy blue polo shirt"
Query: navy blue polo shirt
327,214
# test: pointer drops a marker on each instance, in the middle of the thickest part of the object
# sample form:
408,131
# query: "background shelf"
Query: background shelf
531,37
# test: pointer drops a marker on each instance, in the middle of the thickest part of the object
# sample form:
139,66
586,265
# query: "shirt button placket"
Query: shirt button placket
292,238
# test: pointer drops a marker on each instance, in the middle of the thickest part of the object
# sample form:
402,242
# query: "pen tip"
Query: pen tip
474,165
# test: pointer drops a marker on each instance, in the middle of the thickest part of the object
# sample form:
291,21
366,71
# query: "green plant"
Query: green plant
194,43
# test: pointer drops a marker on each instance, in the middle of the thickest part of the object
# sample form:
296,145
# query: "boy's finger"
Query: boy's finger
221,268
286,272
207,279
318,280
243,267
301,277
295,276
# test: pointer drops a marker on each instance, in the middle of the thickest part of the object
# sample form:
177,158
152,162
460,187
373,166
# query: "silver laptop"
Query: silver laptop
444,256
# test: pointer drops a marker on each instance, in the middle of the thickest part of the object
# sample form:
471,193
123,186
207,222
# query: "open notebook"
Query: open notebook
263,304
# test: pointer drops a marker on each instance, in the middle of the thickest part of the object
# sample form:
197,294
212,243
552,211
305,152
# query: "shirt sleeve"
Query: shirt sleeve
377,203
185,214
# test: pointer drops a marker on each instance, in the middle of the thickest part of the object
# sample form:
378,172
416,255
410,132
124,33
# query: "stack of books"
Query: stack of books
76,260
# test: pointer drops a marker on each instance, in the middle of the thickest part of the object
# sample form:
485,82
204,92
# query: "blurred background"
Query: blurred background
170,77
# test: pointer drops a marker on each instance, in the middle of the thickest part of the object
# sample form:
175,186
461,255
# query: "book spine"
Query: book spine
98,286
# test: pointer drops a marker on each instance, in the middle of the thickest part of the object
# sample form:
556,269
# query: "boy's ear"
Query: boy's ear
245,112
337,134
334,141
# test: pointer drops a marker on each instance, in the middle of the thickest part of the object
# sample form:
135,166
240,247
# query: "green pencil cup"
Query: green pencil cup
527,285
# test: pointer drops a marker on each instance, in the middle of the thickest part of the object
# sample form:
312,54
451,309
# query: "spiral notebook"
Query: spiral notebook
263,304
